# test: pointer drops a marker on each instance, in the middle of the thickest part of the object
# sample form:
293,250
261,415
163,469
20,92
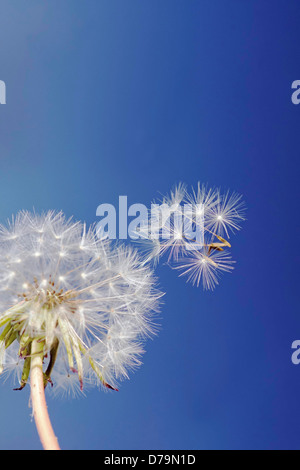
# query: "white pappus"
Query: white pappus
88,303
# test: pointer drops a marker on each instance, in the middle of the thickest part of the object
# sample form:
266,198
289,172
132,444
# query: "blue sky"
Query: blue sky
109,98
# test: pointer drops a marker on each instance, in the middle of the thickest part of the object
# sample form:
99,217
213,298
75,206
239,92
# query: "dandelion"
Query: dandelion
74,308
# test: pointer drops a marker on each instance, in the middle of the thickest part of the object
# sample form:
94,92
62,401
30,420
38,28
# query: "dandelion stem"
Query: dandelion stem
40,411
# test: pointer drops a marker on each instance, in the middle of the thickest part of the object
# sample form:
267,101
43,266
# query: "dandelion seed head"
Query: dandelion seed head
91,308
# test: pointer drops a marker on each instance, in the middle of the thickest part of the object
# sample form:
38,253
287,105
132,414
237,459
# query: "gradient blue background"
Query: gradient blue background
109,98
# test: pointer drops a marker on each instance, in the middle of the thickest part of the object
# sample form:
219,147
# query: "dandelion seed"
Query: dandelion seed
226,215
205,269
207,214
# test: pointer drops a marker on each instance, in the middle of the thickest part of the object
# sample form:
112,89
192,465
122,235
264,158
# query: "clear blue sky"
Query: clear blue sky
109,98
